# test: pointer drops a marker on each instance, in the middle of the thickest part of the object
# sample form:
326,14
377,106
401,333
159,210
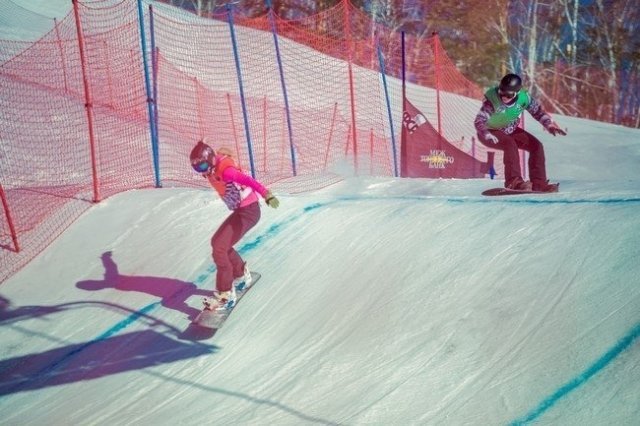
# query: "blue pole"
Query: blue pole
154,142
154,69
386,95
284,87
403,139
242,100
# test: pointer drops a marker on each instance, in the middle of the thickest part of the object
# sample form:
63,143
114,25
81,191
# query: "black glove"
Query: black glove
554,129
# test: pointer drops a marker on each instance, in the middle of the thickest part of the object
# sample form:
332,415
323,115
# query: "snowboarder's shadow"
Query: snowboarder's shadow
173,293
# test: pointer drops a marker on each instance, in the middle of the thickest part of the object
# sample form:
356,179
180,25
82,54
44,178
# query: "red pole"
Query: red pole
88,102
12,229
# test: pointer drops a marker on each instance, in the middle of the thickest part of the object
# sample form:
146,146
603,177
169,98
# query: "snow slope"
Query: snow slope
383,301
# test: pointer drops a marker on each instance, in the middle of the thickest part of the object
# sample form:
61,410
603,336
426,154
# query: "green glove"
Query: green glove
271,200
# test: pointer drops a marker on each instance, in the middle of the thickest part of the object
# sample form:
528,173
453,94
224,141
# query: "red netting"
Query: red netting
65,144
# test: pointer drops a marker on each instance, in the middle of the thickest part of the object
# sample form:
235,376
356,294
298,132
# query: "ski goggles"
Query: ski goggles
507,94
201,166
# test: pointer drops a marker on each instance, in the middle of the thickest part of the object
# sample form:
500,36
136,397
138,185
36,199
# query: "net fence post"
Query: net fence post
88,102
386,95
12,229
150,100
234,44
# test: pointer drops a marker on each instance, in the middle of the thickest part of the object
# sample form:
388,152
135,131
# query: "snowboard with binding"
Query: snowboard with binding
214,319
506,191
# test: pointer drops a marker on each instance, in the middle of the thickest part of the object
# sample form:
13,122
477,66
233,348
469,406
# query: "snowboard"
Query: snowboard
505,191
214,319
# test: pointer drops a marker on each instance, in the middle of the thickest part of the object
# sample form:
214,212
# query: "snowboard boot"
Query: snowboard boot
545,186
518,184
243,282
221,300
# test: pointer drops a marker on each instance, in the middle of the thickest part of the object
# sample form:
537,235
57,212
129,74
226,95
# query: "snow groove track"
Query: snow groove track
623,344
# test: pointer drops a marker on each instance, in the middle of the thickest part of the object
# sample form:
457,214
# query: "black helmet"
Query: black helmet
510,84
202,157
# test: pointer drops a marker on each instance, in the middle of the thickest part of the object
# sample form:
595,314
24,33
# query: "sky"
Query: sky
382,301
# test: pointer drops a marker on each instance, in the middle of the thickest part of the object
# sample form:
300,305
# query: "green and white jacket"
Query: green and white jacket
496,115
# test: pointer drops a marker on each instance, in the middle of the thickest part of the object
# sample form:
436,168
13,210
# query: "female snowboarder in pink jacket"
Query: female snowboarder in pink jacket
239,193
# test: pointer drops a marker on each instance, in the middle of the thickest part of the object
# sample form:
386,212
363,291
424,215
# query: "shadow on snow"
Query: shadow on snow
173,293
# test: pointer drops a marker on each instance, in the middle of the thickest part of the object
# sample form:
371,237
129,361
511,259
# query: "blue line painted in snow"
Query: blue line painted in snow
276,228
622,345
121,325
512,199
515,199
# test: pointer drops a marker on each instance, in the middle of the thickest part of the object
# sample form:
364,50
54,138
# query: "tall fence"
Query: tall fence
114,96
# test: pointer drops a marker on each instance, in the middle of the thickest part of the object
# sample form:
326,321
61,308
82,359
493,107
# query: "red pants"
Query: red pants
228,262
510,144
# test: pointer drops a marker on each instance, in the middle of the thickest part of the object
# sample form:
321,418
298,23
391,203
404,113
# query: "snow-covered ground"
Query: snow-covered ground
30,19
383,301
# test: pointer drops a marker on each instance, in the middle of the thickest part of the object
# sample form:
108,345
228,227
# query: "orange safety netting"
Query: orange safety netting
297,107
